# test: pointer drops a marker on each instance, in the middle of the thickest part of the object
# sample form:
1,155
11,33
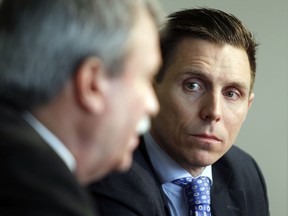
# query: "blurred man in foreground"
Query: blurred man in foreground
75,83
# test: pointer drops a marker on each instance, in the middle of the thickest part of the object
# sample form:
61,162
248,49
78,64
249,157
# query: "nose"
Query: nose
211,109
152,103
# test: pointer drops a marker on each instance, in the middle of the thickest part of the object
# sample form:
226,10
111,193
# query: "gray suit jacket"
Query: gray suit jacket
238,188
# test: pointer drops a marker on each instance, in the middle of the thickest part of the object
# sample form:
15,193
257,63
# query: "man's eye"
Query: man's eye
193,86
232,94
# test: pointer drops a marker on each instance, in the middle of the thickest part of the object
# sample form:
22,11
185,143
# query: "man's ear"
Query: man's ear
91,84
250,100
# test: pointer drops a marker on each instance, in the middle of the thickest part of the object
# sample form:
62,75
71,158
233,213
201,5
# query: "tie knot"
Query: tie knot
182,181
197,190
196,182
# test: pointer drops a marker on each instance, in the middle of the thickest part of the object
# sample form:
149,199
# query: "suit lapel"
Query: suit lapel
144,152
224,199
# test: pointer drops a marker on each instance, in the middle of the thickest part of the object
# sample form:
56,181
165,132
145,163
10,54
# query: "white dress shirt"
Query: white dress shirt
52,141
168,170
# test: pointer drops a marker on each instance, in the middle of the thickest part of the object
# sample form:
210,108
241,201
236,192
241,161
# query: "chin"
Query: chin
206,159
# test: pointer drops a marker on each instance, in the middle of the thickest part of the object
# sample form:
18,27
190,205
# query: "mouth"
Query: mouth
207,138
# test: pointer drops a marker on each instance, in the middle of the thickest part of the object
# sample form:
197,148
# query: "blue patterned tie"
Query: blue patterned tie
197,192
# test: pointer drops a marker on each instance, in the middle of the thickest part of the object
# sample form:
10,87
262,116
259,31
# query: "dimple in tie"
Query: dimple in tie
197,192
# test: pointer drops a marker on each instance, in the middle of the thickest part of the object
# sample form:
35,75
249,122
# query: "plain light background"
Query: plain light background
264,134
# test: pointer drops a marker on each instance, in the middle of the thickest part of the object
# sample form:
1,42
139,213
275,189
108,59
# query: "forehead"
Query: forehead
212,60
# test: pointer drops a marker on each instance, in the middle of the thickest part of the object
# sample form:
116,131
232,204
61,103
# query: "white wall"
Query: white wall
264,134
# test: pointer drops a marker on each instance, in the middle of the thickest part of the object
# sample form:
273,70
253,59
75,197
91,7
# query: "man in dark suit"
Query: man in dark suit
205,89
66,66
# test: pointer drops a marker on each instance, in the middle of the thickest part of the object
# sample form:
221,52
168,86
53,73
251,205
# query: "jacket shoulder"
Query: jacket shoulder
240,172
135,192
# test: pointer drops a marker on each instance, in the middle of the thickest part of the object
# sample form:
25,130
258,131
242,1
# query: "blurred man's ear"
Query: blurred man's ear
91,84
250,100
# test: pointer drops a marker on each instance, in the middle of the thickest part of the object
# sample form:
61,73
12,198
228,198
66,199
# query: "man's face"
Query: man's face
131,95
204,98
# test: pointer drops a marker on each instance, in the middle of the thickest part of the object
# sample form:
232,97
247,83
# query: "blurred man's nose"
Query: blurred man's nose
152,103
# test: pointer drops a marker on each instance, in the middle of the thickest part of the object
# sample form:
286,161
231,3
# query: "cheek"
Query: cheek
130,99
132,110
234,122
173,114
180,109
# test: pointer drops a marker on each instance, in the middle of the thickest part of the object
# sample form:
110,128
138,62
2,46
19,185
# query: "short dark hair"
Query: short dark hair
42,42
208,24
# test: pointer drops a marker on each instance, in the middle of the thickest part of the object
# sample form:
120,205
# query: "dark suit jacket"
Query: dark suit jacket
238,188
33,178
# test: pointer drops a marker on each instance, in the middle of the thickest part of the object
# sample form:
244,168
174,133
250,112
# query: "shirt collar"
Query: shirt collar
166,168
51,140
